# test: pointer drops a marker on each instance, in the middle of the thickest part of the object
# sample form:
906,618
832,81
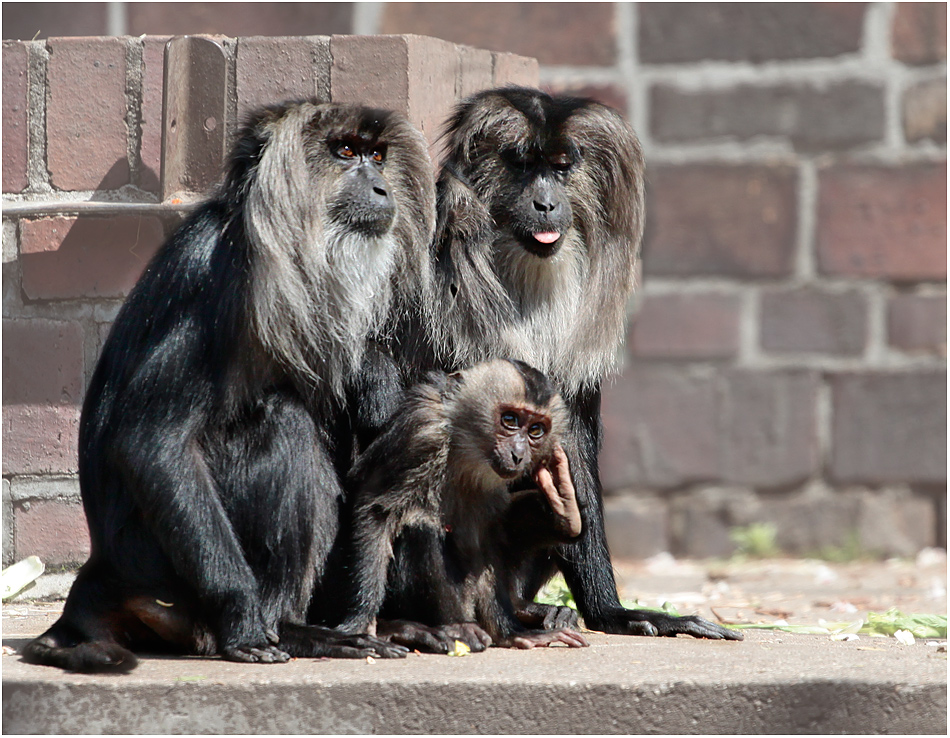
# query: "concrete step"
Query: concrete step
770,683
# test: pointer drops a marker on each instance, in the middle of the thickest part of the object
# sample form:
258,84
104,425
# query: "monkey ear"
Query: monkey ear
456,377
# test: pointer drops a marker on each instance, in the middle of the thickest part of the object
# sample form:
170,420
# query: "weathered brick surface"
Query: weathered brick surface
240,19
701,520
40,439
684,326
512,69
889,427
919,33
720,220
814,321
42,362
64,258
87,137
636,528
153,90
56,529
660,429
666,427
918,323
768,427
274,69
812,118
670,32
887,522
553,33
476,69
196,114
7,513
924,108
15,134
883,222
25,21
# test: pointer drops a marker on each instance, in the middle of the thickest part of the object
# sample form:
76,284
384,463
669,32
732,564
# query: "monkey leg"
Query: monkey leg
434,639
548,617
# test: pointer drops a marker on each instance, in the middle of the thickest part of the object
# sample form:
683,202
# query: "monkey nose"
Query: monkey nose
544,206
516,458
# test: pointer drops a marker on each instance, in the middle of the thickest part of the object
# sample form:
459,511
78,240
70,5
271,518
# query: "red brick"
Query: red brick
553,33
735,221
918,323
196,114
240,19
925,111
153,73
16,146
883,222
26,21
42,362
476,67
87,137
676,32
659,429
40,439
86,257
813,321
511,69
768,428
686,326
55,530
412,75
889,428
274,69
919,34
837,116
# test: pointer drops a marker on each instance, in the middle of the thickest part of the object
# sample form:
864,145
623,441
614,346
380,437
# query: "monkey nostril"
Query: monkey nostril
515,458
544,207
380,191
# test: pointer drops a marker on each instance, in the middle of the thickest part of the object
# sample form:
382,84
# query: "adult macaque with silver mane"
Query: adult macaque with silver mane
208,459
540,216
472,462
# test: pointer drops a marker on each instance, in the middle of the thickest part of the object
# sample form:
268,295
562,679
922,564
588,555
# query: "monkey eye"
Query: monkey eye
510,420
561,162
345,151
516,159
378,156
536,430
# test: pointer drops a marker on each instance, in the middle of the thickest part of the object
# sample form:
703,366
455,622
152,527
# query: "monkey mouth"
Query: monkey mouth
542,243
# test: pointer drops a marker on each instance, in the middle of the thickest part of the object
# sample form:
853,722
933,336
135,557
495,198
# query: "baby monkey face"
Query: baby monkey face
522,440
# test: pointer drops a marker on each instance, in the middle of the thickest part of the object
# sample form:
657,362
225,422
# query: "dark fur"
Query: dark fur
207,461
516,159
448,465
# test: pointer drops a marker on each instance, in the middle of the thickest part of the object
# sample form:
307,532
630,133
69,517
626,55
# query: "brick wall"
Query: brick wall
786,358
93,183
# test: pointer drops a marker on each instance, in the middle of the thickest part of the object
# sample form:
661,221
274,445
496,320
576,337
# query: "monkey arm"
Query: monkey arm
586,563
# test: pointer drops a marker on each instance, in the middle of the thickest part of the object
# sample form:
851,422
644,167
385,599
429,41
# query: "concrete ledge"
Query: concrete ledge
770,683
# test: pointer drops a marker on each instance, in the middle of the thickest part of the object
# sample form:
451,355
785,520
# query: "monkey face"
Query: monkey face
534,206
362,201
521,439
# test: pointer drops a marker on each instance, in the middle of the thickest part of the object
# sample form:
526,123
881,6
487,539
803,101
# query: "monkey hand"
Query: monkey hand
548,617
556,485
543,638
316,641
651,623
434,639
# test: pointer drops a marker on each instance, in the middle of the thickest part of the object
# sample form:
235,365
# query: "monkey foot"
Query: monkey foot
544,638
434,639
314,641
252,655
650,623
548,617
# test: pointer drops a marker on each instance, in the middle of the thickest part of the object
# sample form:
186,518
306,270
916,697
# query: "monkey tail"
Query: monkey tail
95,656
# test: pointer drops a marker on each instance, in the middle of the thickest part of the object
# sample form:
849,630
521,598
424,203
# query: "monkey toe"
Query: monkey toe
546,638
254,655
650,623
434,639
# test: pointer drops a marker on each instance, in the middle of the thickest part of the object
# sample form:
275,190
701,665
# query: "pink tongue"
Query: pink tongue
548,237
